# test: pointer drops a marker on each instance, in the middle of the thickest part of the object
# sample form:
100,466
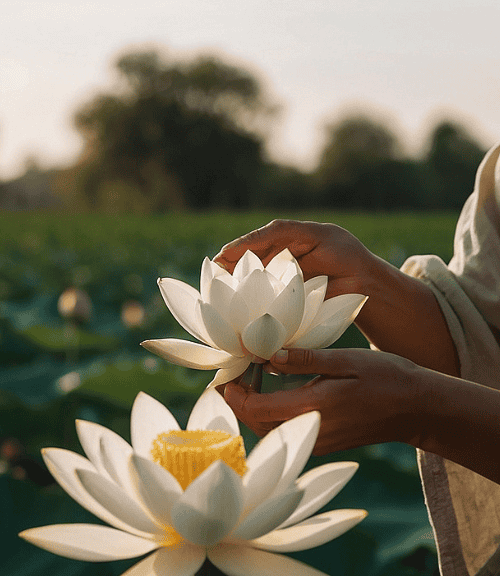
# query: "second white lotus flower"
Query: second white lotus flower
253,312
187,495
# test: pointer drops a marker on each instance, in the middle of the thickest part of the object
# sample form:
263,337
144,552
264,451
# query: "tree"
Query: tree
184,134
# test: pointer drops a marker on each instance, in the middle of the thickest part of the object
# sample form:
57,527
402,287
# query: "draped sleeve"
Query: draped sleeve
464,507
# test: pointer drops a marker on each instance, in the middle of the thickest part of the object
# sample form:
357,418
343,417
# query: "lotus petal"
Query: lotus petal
315,290
288,307
269,514
246,265
299,434
156,487
264,336
117,501
185,559
280,265
62,464
89,542
238,313
220,294
220,332
258,292
227,374
211,412
320,485
89,434
310,533
237,560
115,453
190,354
209,271
181,301
265,465
210,506
148,419
339,307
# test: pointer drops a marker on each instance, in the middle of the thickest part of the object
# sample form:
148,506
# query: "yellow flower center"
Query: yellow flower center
187,453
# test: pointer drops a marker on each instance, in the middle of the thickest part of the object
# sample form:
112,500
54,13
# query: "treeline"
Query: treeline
179,135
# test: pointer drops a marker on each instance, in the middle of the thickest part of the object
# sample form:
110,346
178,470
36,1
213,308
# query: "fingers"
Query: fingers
265,242
335,363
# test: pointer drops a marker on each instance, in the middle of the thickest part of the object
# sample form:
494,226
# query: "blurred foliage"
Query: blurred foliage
54,370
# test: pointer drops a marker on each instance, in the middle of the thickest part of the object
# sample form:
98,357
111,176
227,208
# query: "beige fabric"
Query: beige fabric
464,507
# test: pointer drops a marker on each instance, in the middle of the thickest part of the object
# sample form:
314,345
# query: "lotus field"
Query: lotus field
77,296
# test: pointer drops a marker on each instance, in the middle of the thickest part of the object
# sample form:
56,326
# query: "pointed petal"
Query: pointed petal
258,292
339,307
280,265
268,515
265,466
310,533
117,501
238,313
89,434
264,336
238,560
148,419
219,331
299,434
227,374
181,301
89,542
62,464
206,277
288,307
156,487
210,506
185,559
219,296
190,354
315,290
115,453
320,485
246,265
211,412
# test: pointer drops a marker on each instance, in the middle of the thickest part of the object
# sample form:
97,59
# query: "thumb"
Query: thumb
306,361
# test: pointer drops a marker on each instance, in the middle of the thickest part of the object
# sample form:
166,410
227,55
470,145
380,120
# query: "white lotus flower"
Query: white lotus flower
188,495
251,313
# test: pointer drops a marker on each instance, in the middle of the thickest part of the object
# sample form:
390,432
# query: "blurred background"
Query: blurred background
137,139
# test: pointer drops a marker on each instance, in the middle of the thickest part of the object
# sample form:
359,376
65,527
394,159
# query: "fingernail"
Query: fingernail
281,357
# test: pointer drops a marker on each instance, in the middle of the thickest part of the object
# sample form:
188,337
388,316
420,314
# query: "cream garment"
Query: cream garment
463,506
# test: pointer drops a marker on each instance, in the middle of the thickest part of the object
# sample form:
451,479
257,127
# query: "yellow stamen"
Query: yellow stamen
187,453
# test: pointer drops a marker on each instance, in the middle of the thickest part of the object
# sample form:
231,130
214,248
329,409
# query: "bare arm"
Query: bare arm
401,315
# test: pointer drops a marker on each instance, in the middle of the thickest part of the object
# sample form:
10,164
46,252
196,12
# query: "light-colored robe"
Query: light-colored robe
464,507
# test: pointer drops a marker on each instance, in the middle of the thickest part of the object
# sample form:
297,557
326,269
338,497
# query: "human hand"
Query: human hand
320,249
364,397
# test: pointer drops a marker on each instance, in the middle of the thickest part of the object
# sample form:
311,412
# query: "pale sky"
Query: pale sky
410,62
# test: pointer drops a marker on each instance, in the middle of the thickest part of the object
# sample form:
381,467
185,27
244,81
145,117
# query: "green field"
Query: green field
116,259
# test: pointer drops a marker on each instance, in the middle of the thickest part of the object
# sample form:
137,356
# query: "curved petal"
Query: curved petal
62,464
190,354
185,559
258,292
265,465
315,290
117,501
89,542
299,434
320,485
310,533
339,307
115,454
280,265
264,336
219,295
227,374
210,506
211,412
246,265
268,515
148,419
209,271
219,331
288,307
181,301
89,434
238,560
238,313
156,487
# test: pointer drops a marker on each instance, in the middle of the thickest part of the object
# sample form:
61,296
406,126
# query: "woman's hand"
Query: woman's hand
401,314
364,397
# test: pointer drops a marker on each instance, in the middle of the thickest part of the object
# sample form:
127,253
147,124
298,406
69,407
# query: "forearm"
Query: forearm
402,316
460,421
